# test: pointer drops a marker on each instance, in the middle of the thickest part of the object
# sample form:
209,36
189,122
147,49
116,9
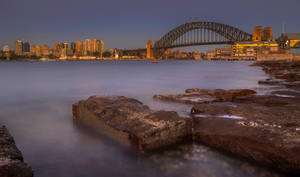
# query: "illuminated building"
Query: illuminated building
5,48
73,47
32,49
38,52
18,48
289,40
87,47
78,48
268,34
258,33
250,49
57,49
149,50
45,50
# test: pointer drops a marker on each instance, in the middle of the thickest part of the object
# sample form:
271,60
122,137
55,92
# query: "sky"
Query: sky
130,23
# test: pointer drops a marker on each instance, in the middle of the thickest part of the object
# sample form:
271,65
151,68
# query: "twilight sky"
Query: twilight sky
130,23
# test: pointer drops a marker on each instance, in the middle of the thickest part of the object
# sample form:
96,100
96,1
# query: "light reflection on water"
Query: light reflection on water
35,105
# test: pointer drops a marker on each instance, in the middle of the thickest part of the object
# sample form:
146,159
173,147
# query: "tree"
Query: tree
107,54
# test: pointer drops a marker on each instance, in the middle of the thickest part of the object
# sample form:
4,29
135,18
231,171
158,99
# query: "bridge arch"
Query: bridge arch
194,33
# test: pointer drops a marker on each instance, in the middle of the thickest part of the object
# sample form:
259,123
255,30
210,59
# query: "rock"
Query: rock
200,96
253,143
267,135
132,123
293,85
189,98
11,159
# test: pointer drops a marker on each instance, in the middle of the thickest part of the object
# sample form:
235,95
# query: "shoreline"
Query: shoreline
264,129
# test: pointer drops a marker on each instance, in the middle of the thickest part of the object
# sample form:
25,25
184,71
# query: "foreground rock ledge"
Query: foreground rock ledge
11,159
132,123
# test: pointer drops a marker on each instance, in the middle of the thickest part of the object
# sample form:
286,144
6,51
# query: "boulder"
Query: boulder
132,123
11,159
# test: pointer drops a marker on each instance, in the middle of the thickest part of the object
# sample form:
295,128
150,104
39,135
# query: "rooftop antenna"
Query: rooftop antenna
283,28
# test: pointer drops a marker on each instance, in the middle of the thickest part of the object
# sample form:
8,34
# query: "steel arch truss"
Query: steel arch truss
200,33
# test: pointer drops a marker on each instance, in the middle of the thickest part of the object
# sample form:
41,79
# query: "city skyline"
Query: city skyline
118,22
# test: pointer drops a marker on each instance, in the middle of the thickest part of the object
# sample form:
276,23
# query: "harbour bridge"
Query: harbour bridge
194,34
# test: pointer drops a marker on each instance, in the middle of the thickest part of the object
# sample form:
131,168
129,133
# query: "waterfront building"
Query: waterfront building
87,47
101,47
18,48
73,47
78,48
5,48
38,52
26,47
250,49
32,49
45,50
289,40
224,52
57,49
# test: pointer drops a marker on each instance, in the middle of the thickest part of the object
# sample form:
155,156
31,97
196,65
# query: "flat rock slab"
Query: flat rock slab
203,96
132,123
269,133
11,159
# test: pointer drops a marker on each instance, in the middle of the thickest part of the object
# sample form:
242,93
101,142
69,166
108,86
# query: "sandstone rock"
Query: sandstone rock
267,135
132,123
200,96
11,159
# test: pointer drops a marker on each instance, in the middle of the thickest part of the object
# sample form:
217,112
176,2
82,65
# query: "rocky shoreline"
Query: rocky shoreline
261,128
11,159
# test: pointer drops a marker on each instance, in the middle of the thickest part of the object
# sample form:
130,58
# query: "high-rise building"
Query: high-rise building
64,50
73,47
57,49
26,47
38,51
45,50
78,48
5,48
87,47
32,49
18,47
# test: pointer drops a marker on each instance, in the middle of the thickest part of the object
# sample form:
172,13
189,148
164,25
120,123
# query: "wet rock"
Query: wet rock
200,96
11,159
132,123
286,93
267,135
271,82
189,98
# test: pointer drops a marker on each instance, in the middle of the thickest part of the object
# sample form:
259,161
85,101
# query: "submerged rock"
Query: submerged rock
132,123
11,159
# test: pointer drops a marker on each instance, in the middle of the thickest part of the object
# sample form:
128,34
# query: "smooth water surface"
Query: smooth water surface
36,100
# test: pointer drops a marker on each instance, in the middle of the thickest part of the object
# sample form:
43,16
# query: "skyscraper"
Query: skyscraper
38,52
87,47
32,49
78,48
18,47
26,47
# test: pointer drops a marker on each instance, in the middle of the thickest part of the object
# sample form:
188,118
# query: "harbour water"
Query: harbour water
36,100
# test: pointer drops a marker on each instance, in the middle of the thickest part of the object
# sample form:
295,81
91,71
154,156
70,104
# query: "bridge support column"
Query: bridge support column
149,50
